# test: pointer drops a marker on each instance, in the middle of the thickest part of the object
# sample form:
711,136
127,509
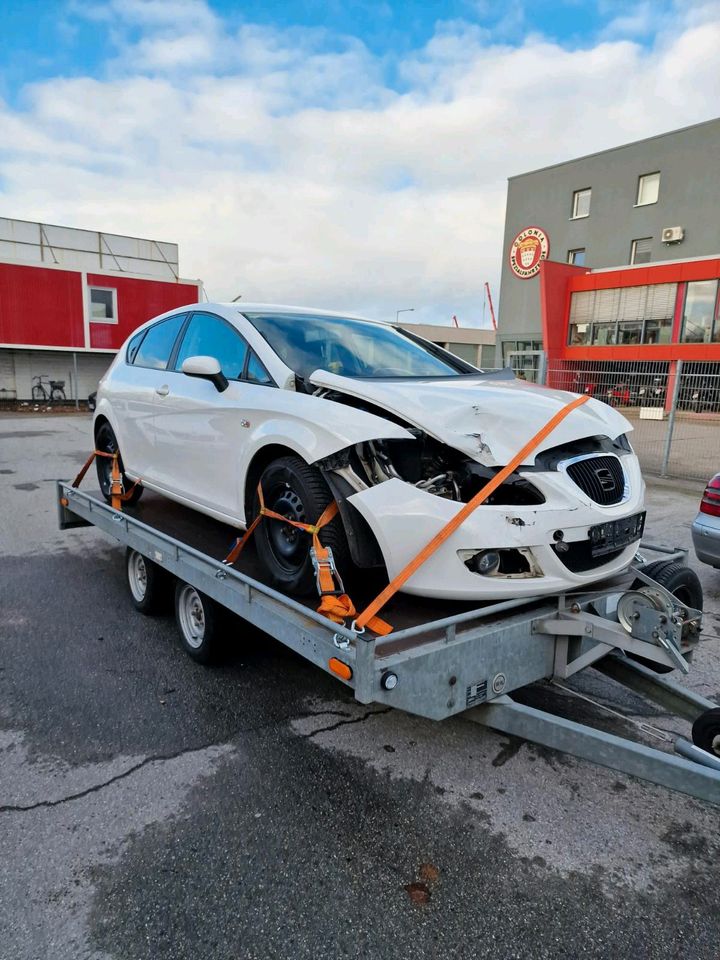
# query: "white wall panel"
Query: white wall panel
7,375
89,250
58,366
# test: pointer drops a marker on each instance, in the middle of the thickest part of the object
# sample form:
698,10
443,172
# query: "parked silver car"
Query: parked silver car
706,526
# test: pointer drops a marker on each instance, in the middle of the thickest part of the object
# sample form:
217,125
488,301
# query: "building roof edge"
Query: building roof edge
622,146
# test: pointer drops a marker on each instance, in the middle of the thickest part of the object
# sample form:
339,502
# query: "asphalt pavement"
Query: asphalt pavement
153,808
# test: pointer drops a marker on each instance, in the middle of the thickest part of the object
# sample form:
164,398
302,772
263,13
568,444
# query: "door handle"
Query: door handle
163,391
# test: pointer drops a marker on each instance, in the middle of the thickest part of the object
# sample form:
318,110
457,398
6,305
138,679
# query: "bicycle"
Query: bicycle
55,389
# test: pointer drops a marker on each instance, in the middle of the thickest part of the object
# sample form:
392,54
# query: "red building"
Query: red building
641,319
69,298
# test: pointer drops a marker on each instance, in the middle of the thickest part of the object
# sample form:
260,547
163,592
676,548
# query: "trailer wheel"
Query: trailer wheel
679,580
149,584
684,584
197,622
706,731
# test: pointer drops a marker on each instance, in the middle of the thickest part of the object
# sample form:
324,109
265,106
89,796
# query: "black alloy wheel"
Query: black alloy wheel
297,491
106,442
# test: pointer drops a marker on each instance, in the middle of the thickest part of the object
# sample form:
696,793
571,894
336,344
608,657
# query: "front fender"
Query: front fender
314,428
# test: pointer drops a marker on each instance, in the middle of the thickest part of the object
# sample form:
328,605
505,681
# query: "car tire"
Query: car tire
150,586
198,623
106,441
684,584
296,490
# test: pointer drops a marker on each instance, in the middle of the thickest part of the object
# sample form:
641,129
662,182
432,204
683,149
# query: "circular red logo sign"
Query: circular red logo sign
528,248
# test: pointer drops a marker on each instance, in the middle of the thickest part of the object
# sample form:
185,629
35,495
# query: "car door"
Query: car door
199,430
135,384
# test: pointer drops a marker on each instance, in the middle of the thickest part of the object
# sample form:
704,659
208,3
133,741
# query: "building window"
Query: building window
518,346
577,257
623,316
629,332
641,250
648,189
581,203
580,334
103,305
700,314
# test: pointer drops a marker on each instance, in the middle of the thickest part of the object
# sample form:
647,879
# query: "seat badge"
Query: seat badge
244,423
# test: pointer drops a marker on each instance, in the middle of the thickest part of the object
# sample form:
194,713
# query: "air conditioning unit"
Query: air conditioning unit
672,234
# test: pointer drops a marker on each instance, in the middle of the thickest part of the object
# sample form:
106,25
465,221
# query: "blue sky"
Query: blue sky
46,38
348,155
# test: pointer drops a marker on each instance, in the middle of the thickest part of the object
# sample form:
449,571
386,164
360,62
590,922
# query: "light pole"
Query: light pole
405,310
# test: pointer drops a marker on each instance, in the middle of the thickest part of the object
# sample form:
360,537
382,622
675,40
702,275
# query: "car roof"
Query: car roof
247,307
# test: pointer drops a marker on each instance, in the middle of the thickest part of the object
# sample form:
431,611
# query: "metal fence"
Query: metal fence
674,408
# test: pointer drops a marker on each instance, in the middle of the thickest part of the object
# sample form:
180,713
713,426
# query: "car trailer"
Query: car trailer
630,628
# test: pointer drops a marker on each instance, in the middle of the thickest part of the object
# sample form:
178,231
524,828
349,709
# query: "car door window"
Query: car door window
155,349
209,336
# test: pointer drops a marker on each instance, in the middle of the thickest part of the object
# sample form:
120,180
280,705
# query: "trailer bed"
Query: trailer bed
443,658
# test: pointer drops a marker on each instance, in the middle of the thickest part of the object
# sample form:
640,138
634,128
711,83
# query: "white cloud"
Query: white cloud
288,169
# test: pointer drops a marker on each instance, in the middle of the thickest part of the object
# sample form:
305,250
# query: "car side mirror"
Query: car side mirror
206,368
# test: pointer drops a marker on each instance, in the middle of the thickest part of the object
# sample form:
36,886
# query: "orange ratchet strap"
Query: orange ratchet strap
335,604
117,497
368,616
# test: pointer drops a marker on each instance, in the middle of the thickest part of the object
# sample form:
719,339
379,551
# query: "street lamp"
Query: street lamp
405,310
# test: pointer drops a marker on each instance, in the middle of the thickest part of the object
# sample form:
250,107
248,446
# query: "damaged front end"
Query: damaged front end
569,514
433,468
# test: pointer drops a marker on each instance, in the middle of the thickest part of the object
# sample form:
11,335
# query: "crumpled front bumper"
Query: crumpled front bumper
404,519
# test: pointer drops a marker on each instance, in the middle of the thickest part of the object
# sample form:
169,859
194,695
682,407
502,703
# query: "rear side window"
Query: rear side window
134,346
156,346
209,336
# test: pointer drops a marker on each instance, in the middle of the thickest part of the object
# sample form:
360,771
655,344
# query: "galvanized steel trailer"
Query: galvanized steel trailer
465,662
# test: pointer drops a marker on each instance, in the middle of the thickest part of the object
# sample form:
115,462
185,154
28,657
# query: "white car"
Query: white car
210,400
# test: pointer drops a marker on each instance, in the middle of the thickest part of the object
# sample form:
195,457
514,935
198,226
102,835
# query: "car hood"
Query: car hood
489,419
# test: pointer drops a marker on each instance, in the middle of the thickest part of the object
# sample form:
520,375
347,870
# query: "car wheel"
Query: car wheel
196,616
684,584
106,441
298,491
149,584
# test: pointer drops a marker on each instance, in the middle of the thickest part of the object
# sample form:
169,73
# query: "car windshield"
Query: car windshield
353,348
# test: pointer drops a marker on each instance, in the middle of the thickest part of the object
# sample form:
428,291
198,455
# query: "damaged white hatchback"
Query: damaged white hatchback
212,400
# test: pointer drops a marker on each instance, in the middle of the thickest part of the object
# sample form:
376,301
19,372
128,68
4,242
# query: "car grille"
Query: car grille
601,478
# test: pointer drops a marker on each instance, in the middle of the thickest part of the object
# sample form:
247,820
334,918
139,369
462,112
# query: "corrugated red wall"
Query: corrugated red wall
43,307
40,306
137,301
